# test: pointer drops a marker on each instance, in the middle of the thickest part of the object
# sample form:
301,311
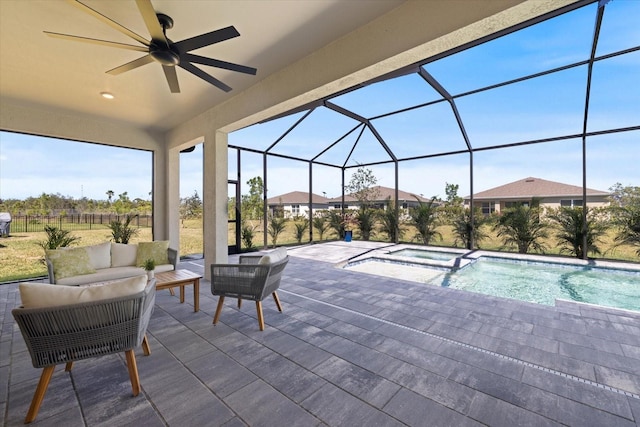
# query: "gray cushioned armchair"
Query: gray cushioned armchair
67,333
254,278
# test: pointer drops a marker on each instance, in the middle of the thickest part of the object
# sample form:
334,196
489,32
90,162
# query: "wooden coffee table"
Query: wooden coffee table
171,279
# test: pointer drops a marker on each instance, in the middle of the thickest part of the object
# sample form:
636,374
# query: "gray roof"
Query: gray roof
384,193
295,198
530,187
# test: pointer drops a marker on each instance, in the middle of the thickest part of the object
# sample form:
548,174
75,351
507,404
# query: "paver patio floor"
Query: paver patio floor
350,349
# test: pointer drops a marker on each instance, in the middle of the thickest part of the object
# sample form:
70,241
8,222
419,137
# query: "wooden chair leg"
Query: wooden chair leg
218,309
277,300
68,366
45,378
133,371
172,292
239,303
260,316
145,346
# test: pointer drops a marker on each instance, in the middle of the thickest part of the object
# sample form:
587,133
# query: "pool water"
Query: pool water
418,253
543,283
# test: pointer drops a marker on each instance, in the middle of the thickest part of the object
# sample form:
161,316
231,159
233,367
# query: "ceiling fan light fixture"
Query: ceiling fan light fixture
107,95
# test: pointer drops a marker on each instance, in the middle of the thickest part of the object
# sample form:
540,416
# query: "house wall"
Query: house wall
303,209
547,203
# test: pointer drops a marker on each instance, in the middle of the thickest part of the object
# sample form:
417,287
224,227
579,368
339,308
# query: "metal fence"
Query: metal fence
35,223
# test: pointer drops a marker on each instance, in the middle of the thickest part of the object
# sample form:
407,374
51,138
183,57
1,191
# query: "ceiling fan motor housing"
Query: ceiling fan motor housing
166,55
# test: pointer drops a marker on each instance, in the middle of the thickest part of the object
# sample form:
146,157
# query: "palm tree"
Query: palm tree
572,230
276,226
463,231
424,218
301,228
521,226
336,222
628,221
389,222
366,218
320,224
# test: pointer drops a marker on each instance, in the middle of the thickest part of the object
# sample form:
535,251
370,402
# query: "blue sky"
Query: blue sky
538,108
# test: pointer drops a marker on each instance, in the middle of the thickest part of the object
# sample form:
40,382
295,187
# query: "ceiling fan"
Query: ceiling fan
161,49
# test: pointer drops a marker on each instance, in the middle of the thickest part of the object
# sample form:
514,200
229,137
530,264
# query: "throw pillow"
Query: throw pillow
156,251
69,262
99,255
37,295
123,255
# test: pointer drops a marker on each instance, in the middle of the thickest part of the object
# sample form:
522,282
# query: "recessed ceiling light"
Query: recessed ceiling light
107,95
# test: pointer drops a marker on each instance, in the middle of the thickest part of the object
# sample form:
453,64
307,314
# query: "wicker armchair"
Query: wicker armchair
64,334
255,278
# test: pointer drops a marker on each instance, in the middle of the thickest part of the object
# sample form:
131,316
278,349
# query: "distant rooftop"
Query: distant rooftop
534,187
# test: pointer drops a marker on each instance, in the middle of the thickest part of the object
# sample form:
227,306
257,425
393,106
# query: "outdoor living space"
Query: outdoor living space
349,348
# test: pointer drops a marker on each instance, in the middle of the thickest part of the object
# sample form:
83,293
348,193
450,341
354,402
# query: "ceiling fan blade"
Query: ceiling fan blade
109,21
207,39
204,76
151,21
217,63
131,65
96,41
172,78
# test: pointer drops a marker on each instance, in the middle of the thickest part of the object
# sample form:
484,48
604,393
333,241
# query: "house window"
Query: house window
295,209
488,208
571,203
337,206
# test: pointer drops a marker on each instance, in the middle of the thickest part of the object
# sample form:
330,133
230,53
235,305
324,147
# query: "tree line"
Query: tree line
57,204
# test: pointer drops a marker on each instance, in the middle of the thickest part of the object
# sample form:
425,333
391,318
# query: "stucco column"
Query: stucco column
214,198
166,196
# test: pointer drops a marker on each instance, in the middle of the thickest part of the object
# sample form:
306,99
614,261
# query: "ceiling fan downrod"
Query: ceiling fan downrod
160,51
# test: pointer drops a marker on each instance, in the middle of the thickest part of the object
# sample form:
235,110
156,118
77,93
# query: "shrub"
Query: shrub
122,232
57,238
247,235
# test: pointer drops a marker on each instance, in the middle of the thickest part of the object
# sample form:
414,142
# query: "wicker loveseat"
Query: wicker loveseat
103,320
82,265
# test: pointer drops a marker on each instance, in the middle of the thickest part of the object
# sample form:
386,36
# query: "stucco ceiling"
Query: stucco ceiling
41,71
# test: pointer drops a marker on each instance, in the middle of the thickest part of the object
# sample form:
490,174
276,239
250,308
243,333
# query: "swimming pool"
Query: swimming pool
532,281
543,283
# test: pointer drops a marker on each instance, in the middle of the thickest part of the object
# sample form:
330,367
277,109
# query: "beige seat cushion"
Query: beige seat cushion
99,255
123,255
38,295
